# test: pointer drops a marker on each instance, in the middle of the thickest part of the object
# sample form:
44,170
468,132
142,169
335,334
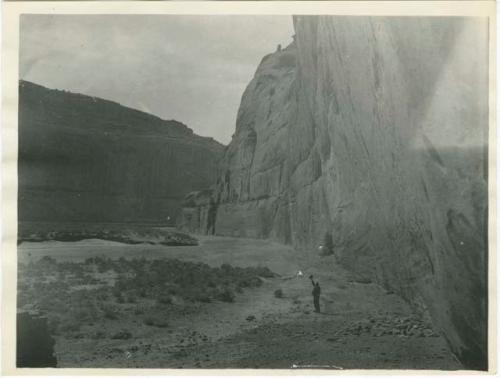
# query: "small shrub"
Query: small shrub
226,267
101,294
203,297
155,321
211,284
278,293
226,295
47,260
81,314
131,298
255,282
198,295
363,280
110,313
80,275
119,297
164,299
122,335
90,260
98,335
103,267
243,283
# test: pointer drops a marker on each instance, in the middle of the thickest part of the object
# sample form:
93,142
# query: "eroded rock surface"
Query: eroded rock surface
374,130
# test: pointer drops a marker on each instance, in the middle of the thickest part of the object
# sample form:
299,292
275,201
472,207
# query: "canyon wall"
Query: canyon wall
374,130
85,159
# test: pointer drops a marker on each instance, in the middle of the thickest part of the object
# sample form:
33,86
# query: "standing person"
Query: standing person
316,293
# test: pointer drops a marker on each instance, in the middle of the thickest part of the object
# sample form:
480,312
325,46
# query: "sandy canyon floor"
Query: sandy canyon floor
361,326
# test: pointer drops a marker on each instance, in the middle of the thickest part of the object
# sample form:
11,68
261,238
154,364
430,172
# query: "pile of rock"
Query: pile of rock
390,325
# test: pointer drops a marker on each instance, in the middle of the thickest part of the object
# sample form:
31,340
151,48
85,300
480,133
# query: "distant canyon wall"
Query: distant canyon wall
374,130
85,159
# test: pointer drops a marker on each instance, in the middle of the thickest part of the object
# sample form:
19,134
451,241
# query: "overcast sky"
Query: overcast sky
189,68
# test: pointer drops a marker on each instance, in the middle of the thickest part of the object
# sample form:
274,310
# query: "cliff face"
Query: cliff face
86,159
374,130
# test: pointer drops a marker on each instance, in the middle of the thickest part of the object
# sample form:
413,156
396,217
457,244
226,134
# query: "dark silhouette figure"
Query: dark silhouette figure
316,293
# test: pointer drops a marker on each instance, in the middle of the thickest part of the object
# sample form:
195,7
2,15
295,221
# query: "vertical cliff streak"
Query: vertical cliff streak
374,130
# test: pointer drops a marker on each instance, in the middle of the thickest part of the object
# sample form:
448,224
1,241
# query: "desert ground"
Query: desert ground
224,303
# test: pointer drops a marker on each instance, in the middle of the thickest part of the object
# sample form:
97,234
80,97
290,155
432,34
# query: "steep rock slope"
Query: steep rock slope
373,130
87,159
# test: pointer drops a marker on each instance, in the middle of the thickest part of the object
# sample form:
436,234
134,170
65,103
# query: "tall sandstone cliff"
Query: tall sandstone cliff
373,130
86,159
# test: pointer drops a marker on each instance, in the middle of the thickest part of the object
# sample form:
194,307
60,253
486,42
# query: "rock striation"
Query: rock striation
86,159
374,130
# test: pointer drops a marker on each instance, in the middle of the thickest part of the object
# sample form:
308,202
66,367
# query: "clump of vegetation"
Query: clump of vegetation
226,295
98,335
122,335
155,321
84,299
164,279
47,262
278,293
110,312
164,299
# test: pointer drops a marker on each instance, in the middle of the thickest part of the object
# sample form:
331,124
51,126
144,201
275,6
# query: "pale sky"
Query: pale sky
189,68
